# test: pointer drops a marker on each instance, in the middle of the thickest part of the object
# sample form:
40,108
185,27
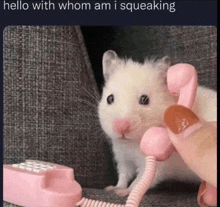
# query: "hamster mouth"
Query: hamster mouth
123,139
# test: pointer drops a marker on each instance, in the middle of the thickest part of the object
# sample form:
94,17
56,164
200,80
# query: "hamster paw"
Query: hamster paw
121,192
110,188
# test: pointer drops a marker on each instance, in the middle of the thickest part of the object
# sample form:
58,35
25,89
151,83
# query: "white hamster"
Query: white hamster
135,97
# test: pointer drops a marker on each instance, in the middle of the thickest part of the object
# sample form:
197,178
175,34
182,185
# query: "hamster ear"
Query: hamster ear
163,63
109,61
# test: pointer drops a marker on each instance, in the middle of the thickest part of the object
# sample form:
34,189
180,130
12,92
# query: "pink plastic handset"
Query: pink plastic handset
182,80
35,183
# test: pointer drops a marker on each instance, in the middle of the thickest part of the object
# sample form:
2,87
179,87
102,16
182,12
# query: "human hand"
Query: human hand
196,142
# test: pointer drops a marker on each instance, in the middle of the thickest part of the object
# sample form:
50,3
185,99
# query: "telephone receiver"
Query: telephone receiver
182,80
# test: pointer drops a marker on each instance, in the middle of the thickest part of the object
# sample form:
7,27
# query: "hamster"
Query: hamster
135,97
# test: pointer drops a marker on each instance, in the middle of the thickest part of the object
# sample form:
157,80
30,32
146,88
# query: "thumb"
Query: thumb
195,141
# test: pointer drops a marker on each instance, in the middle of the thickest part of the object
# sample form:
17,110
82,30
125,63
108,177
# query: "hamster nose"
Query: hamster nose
121,126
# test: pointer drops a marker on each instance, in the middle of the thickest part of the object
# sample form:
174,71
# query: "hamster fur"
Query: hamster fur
126,82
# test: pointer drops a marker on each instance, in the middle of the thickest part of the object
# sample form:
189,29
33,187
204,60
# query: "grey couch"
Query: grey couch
50,105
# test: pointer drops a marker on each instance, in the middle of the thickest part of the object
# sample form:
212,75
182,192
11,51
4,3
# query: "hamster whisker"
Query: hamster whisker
92,115
99,132
97,125
137,122
96,96
88,103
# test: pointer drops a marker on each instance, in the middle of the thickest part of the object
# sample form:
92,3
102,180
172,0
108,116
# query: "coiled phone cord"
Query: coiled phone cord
137,192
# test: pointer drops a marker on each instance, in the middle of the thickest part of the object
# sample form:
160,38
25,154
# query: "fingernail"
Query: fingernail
202,190
178,118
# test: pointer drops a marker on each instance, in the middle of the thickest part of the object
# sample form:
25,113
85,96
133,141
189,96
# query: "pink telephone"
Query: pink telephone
36,183
181,79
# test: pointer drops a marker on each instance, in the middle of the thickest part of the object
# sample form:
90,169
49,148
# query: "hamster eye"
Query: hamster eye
110,99
144,100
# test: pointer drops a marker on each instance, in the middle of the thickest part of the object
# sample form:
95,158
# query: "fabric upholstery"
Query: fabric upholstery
167,196
50,102
196,45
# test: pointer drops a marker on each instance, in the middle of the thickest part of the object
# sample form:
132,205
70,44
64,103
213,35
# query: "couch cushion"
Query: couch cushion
50,102
196,45
174,193
153,198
